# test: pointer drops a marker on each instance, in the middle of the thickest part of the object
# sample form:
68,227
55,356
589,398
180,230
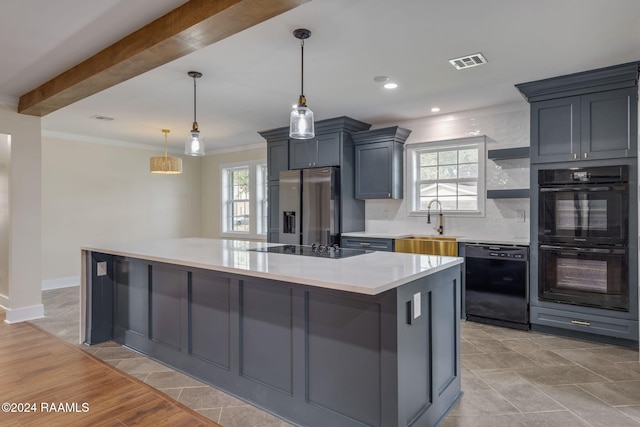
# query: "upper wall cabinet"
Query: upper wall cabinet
379,171
585,116
278,158
321,151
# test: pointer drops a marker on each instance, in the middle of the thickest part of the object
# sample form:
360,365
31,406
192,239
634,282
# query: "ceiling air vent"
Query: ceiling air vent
468,61
103,118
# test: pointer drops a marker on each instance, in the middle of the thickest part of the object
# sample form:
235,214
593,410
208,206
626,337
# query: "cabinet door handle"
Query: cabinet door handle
580,322
388,194
586,155
575,156
365,244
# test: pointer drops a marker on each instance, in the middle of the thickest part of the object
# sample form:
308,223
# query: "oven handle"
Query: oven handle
574,189
584,250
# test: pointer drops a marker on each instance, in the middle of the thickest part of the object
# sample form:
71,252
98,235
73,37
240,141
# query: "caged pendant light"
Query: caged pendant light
194,145
301,123
166,164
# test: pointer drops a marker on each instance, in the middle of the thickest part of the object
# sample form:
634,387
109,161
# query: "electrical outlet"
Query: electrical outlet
417,305
520,217
101,269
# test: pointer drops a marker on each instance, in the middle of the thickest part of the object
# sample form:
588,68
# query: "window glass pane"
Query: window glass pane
240,183
448,203
448,172
467,188
428,159
428,173
446,189
240,216
429,190
468,171
469,155
448,157
468,202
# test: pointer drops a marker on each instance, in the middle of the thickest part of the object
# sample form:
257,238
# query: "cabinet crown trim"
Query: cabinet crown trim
608,78
336,124
393,133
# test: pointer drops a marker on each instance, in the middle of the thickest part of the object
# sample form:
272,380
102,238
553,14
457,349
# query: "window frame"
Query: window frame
257,199
413,174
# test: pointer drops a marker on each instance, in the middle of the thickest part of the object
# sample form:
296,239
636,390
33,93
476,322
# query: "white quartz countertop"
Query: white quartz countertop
369,274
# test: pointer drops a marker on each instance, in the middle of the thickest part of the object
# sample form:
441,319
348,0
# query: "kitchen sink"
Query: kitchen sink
429,245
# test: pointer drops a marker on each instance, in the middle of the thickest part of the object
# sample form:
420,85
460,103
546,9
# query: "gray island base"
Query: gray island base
310,353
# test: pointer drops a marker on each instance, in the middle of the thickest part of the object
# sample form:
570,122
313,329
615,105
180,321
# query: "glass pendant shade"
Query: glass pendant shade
301,124
194,146
165,164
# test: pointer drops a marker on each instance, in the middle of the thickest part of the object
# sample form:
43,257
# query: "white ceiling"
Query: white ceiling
252,78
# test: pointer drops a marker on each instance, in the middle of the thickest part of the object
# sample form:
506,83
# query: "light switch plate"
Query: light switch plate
101,269
417,305
520,217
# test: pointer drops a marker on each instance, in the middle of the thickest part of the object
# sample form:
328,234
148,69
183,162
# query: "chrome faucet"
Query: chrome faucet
440,227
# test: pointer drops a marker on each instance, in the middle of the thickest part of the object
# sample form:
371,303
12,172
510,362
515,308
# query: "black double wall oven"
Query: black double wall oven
583,224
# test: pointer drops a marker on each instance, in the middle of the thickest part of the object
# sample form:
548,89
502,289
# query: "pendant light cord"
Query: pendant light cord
166,143
302,68
194,103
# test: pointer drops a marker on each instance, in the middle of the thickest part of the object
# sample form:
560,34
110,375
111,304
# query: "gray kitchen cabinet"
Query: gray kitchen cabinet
578,120
321,151
332,146
277,158
375,244
273,218
609,124
588,127
555,130
378,157
584,116
277,161
581,321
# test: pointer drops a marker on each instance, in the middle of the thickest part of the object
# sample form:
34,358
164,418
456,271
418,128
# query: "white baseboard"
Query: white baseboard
62,282
25,313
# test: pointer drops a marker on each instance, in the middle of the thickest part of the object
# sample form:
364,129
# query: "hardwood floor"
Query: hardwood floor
60,384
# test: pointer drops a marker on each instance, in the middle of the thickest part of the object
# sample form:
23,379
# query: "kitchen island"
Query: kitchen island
372,339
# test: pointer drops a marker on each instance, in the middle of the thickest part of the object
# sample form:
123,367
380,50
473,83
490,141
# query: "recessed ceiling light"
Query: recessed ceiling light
435,110
390,85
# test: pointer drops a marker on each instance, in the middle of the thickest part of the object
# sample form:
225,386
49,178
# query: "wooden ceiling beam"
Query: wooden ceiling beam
192,26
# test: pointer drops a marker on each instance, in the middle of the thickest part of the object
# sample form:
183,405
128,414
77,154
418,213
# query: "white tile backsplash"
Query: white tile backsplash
505,126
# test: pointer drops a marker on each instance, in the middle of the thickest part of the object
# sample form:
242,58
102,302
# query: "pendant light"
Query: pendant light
166,164
194,145
301,123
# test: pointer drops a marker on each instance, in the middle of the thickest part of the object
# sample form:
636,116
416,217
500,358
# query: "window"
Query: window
451,172
244,199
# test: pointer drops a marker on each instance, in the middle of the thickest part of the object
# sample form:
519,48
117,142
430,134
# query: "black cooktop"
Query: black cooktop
319,251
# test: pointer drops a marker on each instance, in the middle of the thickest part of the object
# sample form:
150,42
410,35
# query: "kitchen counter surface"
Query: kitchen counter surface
513,241
383,235
369,274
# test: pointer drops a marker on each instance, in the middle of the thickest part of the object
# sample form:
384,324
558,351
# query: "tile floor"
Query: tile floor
509,377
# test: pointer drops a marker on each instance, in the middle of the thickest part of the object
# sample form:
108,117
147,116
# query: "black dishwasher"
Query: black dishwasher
497,285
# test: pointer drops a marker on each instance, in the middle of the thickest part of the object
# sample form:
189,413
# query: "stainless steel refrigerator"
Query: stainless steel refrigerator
309,206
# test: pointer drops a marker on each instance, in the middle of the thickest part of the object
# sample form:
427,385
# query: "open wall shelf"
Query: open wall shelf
508,153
